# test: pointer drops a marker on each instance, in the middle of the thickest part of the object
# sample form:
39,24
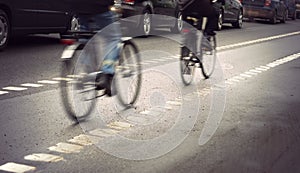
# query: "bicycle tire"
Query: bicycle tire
187,66
208,59
69,91
128,76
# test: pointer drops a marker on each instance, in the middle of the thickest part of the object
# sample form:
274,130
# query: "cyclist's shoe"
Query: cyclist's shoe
103,81
205,43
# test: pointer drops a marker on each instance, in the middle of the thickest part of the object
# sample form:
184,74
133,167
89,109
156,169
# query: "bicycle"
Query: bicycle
194,54
78,88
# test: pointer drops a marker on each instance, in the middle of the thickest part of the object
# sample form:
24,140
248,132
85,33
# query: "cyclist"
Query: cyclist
95,15
199,9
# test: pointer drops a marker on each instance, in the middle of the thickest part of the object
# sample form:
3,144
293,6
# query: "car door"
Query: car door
23,14
228,10
235,9
52,14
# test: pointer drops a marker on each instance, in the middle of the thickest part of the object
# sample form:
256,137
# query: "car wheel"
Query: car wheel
4,29
178,24
294,16
284,16
74,26
239,22
146,23
273,20
220,20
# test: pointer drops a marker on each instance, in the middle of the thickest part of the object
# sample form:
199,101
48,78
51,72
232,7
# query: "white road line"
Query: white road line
12,88
3,92
257,41
62,79
250,73
103,132
66,148
42,157
48,82
245,75
16,167
262,69
174,103
82,139
32,85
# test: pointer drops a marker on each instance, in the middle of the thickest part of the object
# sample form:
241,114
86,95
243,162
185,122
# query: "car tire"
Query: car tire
284,17
273,20
177,28
146,23
220,20
239,22
294,16
72,26
4,29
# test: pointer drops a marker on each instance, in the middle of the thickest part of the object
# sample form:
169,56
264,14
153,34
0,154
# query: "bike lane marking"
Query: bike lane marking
16,167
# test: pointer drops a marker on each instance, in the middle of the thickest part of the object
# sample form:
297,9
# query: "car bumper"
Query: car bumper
258,12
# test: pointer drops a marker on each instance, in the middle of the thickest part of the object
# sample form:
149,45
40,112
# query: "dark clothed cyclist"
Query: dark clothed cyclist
199,9
95,15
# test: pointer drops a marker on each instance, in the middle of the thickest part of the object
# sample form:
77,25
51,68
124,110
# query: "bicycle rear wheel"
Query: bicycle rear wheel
127,80
77,88
208,60
187,66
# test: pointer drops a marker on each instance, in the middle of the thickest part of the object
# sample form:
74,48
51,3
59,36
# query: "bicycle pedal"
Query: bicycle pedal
195,60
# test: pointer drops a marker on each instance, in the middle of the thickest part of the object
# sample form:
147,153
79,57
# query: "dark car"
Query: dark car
230,12
291,8
271,10
33,16
298,8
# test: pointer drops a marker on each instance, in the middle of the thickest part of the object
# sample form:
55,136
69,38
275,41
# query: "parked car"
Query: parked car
32,17
291,8
297,8
230,12
271,10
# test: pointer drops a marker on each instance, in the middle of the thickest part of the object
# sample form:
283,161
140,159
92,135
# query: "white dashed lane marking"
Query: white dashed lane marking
42,157
32,85
13,88
16,167
48,82
66,148
3,92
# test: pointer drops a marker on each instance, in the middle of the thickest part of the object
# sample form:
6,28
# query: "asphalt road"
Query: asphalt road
244,119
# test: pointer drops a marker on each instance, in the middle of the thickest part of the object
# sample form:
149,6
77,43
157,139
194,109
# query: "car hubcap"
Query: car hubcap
179,22
3,30
74,24
147,23
220,23
240,20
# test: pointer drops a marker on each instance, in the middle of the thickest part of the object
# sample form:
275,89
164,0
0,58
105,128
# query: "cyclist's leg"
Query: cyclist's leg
110,36
211,25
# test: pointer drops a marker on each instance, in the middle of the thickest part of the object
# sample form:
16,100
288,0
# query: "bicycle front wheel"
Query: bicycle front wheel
127,80
209,56
187,66
77,91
